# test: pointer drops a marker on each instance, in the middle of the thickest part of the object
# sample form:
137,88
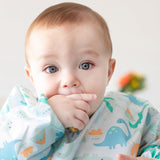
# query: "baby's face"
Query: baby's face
69,59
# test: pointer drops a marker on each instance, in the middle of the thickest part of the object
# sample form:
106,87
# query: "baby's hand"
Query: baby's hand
126,157
72,110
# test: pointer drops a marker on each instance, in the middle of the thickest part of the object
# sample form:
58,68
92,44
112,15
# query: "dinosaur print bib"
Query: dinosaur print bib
123,123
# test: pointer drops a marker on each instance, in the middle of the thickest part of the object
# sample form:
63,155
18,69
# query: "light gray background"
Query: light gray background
135,32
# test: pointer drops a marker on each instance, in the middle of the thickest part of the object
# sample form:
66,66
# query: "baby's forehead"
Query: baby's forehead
69,27
83,33
79,38
89,23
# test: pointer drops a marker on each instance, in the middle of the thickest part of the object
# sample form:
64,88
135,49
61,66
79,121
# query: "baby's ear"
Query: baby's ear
111,66
28,72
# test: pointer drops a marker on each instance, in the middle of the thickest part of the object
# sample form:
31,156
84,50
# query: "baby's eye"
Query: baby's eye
51,69
86,65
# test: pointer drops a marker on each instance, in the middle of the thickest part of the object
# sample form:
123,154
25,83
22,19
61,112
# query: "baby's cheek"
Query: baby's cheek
49,94
47,91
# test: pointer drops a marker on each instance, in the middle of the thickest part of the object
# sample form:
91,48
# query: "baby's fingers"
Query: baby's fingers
126,157
83,105
84,97
81,120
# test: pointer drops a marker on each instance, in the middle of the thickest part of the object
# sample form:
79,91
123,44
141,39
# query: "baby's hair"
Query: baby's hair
64,13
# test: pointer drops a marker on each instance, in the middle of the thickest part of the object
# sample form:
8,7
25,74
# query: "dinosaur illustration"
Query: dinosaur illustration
140,115
23,103
155,153
134,100
27,151
153,150
43,99
115,135
8,151
109,106
134,149
148,119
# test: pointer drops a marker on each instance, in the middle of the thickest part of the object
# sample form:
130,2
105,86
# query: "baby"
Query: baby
69,62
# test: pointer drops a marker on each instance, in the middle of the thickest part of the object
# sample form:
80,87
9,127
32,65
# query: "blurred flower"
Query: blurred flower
131,82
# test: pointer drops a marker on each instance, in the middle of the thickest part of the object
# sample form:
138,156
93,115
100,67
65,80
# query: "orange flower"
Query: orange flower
125,80
131,82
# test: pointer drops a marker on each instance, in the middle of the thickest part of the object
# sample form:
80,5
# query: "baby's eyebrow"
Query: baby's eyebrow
90,52
47,56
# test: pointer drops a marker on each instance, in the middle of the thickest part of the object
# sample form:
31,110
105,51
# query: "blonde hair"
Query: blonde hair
68,13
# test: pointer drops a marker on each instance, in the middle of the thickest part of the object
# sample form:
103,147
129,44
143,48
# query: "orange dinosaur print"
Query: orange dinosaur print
42,141
127,110
96,132
134,149
27,151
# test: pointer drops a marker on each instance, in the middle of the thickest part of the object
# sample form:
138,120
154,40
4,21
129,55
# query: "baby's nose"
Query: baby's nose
69,81
69,86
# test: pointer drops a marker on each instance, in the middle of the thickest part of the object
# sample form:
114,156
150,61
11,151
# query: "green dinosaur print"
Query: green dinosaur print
43,99
7,108
140,115
157,156
150,146
155,153
25,95
108,104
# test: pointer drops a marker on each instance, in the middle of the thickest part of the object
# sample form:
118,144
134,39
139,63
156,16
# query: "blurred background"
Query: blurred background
135,33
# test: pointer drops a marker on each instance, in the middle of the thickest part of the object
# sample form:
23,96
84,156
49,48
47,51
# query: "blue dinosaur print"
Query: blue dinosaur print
115,135
23,103
148,119
73,133
8,151
134,100
59,135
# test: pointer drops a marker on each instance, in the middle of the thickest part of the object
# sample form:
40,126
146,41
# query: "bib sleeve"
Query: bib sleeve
150,144
28,127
